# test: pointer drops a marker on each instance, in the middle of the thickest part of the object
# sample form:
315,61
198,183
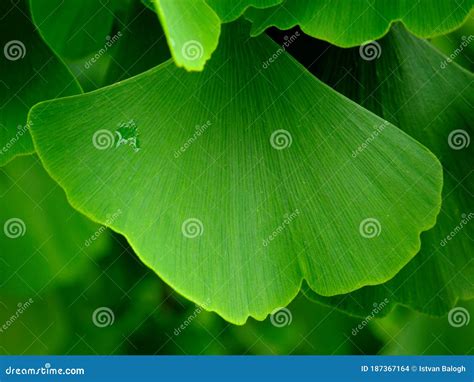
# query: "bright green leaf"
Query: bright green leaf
350,23
243,186
29,73
192,29
415,87
229,10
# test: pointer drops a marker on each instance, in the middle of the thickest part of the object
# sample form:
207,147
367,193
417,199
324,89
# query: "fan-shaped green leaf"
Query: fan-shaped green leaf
229,10
457,45
350,23
192,29
29,73
129,50
137,50
432,99
235,185
76,28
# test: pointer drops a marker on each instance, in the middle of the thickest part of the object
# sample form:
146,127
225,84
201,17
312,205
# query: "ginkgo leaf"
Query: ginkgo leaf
229,10
137,50
44,241
457,45
192,29
130,49
350,23
29,73
430,98
235,185
76,28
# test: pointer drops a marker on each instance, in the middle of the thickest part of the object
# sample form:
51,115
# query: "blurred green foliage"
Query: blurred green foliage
148,316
